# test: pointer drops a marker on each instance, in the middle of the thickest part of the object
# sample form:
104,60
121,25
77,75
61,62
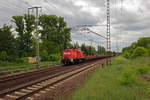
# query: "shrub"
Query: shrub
3,56
126,55
19,60
16,70
24,54
148,49
25,59
148,90
55,57
1,62
120,60
44,55
139,51
128,76
142,70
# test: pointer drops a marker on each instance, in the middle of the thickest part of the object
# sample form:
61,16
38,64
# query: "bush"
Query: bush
1,62
3,56
139,51
128,76
16,70
19,60
54,57
120,60
25,59
142,70
44,55
148,49
126,55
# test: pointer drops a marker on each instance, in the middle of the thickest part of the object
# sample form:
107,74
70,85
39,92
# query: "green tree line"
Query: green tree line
90,50
137,49
54,37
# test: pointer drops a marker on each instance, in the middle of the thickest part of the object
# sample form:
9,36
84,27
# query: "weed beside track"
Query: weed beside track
11,68
123,80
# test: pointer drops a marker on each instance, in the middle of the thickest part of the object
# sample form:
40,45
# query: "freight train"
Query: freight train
75,55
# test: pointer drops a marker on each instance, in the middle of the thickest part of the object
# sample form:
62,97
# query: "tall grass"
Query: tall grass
8,68
120,81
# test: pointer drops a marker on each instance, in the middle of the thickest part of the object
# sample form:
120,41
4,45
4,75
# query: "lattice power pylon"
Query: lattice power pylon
108,42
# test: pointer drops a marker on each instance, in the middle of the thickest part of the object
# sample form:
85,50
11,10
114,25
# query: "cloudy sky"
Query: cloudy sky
130,19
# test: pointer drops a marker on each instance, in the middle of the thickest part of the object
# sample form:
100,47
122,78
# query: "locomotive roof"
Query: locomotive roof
73,49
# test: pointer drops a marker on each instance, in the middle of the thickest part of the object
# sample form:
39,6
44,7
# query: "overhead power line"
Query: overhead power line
51,4
88,25
8,5
13,7
96,33
26,3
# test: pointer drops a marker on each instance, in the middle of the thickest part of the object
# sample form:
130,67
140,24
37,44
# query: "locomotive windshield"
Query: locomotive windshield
66,53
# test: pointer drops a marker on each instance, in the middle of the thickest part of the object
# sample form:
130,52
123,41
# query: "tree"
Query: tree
83,48
93,51
29,21
148,49
142,42
7,41
3,56
101,50
18,20
76,45
139,51
44,55
126,54
89,50
54,29
24,26
50,47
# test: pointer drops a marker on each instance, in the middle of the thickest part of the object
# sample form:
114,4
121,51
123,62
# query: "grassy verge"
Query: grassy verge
9,68
120,81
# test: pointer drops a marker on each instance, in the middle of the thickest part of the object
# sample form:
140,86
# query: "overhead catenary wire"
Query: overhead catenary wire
6,18
12,11
51,4
14,8
12,5
25,2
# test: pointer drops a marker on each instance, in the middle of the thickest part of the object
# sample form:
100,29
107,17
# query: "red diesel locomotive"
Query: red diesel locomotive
73,55
70,56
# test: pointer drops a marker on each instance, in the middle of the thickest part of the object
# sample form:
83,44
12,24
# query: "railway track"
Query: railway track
10,81
13,80
26,90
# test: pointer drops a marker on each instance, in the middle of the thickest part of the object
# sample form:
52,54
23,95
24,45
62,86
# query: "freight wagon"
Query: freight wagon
75,55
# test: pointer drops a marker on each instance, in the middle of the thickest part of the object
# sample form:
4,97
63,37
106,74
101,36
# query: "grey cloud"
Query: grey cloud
128,23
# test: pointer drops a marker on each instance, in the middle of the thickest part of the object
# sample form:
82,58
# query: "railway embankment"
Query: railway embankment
124,79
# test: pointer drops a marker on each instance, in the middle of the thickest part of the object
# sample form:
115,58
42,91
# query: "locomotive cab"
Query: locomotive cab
71,56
